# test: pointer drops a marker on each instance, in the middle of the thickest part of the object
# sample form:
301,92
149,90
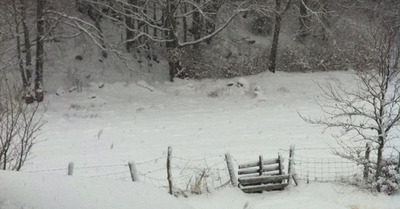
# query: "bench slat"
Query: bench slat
266,168
262,179
254,164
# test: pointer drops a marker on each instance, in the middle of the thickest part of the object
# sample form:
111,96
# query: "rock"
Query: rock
243,83
79,57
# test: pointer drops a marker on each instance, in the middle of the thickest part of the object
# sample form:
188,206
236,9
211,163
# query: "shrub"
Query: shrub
19,127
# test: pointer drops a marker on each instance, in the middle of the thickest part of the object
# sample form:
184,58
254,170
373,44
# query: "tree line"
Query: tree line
167,24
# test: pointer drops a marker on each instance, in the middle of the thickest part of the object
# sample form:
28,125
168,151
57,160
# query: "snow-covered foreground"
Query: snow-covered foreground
35,191
120,122
305,196
28,191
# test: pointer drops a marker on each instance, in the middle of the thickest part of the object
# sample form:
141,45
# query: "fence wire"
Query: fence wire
195,175
325,169
198,175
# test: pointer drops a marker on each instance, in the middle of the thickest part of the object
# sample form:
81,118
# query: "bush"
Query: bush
329,58
389,180
199,65
19,127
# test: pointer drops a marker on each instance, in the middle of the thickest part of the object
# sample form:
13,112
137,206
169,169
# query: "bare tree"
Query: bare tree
370,112
19,127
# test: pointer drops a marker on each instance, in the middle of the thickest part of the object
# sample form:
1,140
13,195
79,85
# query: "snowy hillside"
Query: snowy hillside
122,122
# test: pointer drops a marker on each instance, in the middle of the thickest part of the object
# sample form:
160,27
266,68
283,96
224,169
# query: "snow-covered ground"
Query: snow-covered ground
28,191
101,129
126,122
36,191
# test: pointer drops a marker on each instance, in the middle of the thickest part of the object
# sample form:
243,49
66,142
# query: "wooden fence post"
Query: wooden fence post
398,163
366,164
261,162
291,165
231,170
70,168
133,171
280,163
169,176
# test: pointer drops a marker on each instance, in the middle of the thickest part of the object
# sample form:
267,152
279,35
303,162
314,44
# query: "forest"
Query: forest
197,38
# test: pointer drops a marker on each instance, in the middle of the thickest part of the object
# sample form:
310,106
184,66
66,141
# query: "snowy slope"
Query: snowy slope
127,122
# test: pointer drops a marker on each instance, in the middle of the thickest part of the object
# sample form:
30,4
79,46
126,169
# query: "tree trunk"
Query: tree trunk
196,24
18,40
381,144
171,24
211,9
303,19
5,160
325,20
130,24
96,16
146,27
155,18
28,55
19,57
141,25
275,39
184,22
40,50
277,29
367,162
173,59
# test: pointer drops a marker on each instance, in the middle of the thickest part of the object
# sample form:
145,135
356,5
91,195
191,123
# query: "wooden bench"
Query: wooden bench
263,175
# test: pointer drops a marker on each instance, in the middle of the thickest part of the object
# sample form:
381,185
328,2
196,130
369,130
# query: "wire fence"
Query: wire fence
195,175
347,163
198,175
325,169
